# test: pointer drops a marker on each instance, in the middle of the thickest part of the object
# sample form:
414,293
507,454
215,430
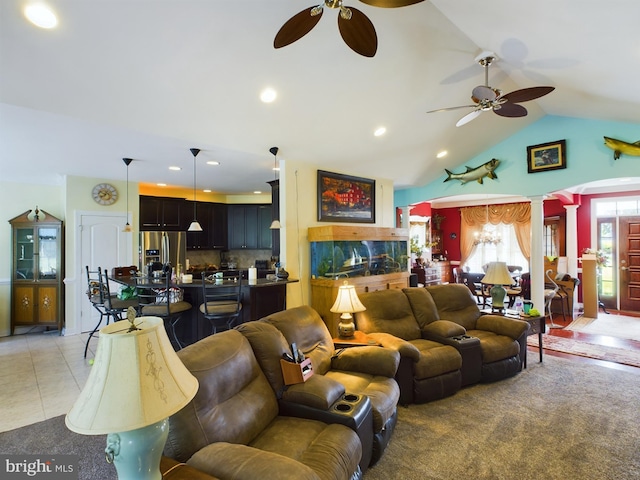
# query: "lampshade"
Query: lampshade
347,302
136,380
275,225
497,274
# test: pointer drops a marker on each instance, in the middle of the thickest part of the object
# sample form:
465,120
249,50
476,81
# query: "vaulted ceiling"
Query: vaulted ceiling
150,79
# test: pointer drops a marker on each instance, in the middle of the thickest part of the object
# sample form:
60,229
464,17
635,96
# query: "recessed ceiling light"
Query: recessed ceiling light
442,154
206,190
268,95
161,184
380,131
175,169
257,192
41,15
213,162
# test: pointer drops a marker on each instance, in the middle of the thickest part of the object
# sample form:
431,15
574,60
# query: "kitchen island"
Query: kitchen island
260,297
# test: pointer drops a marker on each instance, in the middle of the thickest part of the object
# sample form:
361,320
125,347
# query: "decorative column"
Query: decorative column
536,262
589,286
571,238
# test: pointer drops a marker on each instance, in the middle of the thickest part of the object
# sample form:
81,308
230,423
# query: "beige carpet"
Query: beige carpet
614,325
586,349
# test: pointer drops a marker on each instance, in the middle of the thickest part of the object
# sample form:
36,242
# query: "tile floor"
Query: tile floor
42,374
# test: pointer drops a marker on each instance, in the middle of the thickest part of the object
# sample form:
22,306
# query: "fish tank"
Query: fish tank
335,259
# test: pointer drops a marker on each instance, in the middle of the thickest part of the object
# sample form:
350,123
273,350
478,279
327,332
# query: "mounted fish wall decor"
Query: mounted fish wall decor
485,170
619,147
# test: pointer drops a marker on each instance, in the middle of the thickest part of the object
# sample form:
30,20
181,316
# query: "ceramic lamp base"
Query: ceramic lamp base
346,329
497,298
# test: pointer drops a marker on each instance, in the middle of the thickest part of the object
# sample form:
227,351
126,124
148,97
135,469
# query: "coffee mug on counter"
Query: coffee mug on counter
527,306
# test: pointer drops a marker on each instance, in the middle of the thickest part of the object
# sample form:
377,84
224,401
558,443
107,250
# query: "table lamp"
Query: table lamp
347,302
497,275
135,383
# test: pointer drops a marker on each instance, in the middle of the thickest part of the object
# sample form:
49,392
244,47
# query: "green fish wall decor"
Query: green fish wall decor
485,170
619,147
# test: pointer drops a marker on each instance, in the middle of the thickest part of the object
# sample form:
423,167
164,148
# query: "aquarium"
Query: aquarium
356,258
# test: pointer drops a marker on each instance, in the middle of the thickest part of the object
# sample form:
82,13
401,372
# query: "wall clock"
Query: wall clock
105,194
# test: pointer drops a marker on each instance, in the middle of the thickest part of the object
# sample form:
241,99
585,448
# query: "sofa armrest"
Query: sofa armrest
500,325
367,359
443,328
174,470
403,347
241,462
317,392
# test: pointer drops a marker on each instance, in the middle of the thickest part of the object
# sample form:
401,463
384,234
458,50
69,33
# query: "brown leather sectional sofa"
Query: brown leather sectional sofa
445,342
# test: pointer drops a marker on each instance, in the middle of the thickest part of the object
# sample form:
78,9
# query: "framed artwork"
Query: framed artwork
343,198
547,156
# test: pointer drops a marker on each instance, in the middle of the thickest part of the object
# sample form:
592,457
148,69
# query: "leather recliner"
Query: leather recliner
232,428
367,370
428,370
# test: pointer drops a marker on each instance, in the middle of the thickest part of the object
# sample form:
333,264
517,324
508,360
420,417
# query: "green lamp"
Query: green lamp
497,275
137,381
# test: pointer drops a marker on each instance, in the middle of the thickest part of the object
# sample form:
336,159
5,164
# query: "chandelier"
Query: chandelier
487,235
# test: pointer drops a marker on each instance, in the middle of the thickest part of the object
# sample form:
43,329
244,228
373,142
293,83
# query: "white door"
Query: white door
102,244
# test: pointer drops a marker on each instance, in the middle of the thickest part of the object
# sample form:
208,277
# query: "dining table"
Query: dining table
260,298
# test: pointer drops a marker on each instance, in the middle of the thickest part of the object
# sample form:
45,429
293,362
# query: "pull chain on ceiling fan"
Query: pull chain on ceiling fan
356,29
487,98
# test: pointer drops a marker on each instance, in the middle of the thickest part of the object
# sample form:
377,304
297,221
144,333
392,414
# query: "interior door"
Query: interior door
103,244
629,242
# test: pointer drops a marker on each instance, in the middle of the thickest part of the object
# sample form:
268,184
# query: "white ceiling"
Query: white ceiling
148,79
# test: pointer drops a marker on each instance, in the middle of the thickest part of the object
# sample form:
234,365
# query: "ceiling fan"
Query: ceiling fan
355,27
488,98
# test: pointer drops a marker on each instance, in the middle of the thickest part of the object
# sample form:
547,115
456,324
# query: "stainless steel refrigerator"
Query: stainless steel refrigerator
163,248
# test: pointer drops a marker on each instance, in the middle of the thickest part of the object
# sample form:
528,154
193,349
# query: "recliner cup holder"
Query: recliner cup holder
343,407
351,397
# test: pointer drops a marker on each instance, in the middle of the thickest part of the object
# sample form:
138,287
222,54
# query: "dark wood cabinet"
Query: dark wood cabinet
218,231
249,226
37,271
164,213
213,220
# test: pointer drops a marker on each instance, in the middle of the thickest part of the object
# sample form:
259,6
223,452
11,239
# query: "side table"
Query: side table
537,325
359,339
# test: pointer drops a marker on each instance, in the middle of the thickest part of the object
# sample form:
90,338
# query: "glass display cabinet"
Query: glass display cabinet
370,258
36,279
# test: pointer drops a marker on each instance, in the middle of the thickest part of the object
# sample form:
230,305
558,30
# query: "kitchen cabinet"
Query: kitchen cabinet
213,220
249,226
37,271
164,213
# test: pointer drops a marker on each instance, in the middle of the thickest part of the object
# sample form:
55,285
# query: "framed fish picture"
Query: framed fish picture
343,198
547,156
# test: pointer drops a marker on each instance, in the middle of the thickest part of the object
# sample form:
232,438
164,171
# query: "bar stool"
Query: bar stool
222,304
97,295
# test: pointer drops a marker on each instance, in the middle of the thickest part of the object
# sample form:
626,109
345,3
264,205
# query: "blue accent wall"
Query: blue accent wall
588,159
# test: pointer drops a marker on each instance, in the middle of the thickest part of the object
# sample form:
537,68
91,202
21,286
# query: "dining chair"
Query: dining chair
96,295
222,303
115,306
158,298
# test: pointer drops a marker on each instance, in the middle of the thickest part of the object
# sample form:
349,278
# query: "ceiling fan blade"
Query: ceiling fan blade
451,108
510,110
358,33
296,27
468,117
526,94
482,92
390,3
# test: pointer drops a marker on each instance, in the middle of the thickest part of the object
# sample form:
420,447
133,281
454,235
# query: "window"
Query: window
507,250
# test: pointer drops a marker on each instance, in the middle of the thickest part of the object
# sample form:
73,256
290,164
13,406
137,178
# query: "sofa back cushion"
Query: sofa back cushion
388,311
268,345
422,305
234,402
455,303
304,326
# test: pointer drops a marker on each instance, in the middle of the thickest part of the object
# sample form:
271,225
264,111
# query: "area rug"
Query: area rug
619,326
586,349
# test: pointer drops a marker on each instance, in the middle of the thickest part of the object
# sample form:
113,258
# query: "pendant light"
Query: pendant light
275,224
127,161
195,226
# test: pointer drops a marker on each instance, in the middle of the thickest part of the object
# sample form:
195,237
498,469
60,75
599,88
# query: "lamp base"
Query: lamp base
497,298
136,454
346,329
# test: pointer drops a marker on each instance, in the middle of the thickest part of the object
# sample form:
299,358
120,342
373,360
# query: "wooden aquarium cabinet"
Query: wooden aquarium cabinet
369,258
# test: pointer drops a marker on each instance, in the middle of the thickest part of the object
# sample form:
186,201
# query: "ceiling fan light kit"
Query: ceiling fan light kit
487,98
356,29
